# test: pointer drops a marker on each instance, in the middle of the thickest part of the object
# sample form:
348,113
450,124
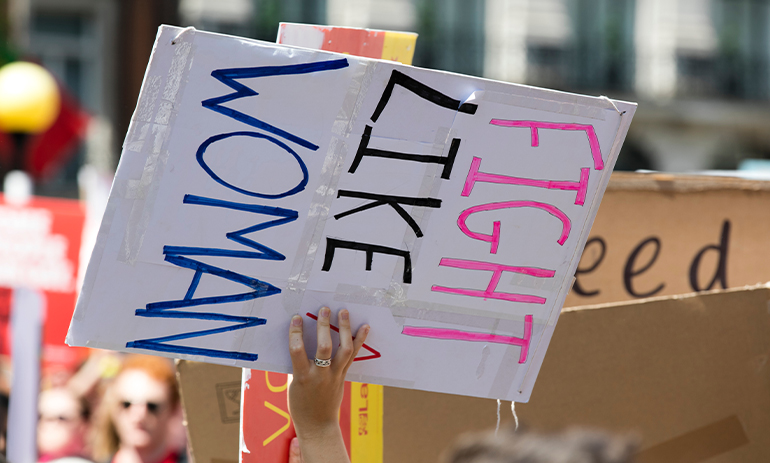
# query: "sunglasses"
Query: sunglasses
59,418
152,407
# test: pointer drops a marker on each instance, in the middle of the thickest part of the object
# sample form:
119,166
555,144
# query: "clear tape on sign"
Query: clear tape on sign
573,108
429,188
613,104
144,190
370,379
448,314
507,377
325,193
422,310
186,31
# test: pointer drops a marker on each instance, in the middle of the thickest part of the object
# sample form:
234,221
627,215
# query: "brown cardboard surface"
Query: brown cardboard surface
688,374
211,399
418,425
695,446
685,214
663,368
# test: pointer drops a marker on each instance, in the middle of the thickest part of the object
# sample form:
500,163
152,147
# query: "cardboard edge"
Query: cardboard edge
681,183
180,365
608,305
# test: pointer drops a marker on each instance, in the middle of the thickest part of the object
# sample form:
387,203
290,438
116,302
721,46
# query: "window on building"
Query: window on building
451,35
743,30
66,43
602,51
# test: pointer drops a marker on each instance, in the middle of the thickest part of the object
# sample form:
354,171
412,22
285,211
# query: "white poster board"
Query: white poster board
260,181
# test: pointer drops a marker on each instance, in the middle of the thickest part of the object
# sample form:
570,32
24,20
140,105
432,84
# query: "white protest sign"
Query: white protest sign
259,181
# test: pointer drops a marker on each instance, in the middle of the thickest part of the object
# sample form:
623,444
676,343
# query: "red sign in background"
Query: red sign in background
39,249
267,427
46,153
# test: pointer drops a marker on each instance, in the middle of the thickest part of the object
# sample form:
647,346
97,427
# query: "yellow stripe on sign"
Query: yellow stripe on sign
365,423
399,46
283,428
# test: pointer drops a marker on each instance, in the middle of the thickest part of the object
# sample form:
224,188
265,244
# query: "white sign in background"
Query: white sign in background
259,181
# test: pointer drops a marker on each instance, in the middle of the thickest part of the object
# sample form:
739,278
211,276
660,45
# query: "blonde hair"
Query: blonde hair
105,436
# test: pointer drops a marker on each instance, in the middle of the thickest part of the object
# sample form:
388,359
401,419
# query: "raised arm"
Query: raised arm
315,394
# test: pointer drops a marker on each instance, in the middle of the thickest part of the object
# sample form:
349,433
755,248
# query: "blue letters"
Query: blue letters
264,252
165,309
202,149
176,255
229,76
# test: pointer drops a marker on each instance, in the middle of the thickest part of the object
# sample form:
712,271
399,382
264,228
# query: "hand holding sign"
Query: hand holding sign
316,392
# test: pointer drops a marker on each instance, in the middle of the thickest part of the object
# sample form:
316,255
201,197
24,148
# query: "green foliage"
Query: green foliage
271,12
6,54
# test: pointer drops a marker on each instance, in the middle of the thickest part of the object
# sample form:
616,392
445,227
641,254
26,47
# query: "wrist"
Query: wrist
323,431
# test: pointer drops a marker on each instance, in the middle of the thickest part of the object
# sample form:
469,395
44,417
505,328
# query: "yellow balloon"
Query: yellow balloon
29,98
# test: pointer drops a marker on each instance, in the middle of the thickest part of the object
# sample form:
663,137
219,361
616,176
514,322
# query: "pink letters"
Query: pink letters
497,270
580,188
475,176
593,141
457,335
494,238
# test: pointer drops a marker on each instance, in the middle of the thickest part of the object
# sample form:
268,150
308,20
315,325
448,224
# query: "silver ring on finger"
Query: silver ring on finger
323,363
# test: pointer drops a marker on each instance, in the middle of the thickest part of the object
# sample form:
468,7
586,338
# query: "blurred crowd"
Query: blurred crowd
114,408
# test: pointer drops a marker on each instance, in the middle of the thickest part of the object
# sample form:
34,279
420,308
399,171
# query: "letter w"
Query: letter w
229,76
263,252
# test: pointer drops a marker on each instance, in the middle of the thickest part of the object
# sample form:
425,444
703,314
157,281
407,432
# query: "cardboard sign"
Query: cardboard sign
663,234
655,367
260,181
211,401
370,43
39,249
267,428
687,374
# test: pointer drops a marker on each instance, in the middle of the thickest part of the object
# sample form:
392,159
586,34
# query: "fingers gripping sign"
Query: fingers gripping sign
315,393
323,355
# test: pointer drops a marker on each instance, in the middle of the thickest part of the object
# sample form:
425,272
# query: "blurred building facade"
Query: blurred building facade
700,69
98,50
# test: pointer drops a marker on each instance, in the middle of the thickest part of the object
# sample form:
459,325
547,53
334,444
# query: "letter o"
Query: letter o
202,149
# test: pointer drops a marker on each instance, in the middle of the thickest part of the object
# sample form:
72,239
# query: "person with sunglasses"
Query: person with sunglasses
63,419
139,413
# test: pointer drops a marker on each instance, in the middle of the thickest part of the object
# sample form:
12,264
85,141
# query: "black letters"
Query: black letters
721,271
435,97
421,90
576,286
392,201
364,150
629,272
332,244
